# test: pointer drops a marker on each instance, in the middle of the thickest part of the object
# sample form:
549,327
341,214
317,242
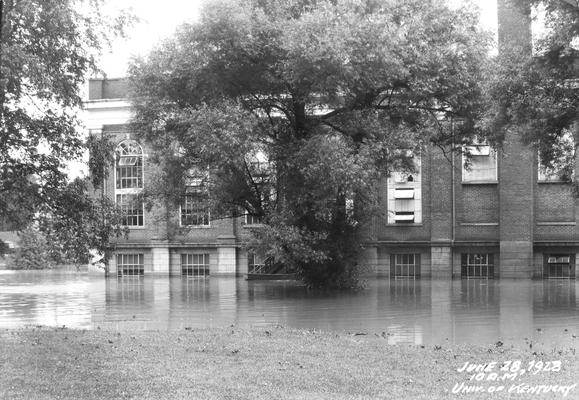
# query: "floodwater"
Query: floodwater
402,311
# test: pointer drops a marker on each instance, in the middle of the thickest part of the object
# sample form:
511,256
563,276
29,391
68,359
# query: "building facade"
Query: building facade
498,214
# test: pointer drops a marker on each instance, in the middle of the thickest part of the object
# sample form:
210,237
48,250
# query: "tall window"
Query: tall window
480,165
129,182
194,210
129,169
195,202
561,166
405,195
132,206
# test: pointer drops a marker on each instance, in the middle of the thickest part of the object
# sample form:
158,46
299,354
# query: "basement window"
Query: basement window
405,266
559,266
196,265
130,265
477,265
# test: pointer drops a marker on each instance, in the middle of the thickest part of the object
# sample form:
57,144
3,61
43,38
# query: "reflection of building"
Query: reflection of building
495,215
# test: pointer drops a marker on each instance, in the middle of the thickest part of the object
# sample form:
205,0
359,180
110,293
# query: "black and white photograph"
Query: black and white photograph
289,199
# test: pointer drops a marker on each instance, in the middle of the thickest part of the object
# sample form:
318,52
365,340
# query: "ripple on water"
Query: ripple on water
417,312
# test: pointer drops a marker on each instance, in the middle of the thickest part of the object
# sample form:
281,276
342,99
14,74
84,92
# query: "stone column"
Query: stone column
161,260
226,255
441,215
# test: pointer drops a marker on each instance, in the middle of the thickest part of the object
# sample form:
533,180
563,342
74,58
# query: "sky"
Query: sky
159,19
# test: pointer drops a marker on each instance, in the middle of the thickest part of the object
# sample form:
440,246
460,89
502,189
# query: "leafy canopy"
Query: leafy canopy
295,108
47,49
534,91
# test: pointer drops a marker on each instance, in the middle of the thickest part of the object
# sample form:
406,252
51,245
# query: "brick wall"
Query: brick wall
554,202
478,204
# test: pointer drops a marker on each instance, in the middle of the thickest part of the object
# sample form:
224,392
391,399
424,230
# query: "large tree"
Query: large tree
533,88
47,50
296,109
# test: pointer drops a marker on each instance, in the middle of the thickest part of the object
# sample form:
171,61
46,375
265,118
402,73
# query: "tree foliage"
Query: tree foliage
535,92
295,108
33,251
77,222
47,50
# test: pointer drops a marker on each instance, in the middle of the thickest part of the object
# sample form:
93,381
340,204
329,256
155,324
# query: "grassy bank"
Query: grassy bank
275,363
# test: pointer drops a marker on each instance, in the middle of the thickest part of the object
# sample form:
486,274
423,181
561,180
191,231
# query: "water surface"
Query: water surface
403,311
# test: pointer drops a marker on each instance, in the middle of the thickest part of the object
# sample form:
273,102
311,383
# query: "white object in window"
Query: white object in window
404,193
482,165
405,196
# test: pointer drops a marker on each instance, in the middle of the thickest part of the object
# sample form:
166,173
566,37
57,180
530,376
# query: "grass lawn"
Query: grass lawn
274,363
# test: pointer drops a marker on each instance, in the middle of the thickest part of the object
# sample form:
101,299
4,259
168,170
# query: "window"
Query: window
559,266
194,210
195,265
131,205
476,265
562,155
479,164
404,196
405,266
259,166
129,170
252,219
129,182
130,265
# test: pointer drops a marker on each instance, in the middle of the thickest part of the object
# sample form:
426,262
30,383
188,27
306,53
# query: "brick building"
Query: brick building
504,216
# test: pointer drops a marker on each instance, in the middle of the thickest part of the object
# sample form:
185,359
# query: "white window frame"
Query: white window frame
479,150
201,200
198,263
129,149
135,261
402,191
413,263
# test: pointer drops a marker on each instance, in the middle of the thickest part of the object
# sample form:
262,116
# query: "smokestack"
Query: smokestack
514,20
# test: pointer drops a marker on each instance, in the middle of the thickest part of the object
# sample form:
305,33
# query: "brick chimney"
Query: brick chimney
516,161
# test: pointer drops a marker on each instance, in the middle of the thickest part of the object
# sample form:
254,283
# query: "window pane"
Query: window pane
130,264
132,207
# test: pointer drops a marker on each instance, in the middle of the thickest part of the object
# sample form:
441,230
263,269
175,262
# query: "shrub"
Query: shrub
33,251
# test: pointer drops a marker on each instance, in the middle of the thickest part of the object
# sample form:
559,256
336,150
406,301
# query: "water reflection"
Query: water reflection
402,311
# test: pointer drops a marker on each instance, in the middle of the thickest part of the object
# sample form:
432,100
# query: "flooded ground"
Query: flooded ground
404,311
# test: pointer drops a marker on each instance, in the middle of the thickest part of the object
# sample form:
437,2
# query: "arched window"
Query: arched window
129,182
129,170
